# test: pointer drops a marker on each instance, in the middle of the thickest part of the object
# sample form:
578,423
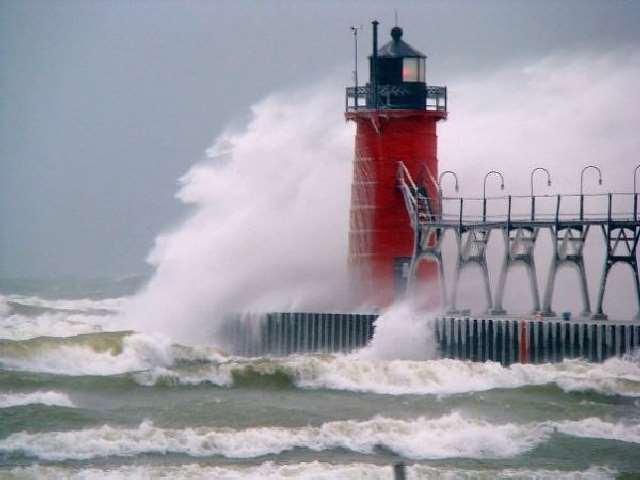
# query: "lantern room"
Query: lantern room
397,79
398,71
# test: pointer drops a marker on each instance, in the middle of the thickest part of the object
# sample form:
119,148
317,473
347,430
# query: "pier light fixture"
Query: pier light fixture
486,177
444,174
582,186
635,175
541,169
533,199
582,176
484,191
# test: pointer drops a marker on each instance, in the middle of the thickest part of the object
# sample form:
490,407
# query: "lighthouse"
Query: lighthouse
396,113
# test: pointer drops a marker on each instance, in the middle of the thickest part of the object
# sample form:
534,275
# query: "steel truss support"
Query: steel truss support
427,240
427,246
471,250
519,244
621,244
568,246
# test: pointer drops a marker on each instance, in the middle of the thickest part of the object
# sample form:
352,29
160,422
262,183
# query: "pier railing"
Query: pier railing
395,96
519,218
539,210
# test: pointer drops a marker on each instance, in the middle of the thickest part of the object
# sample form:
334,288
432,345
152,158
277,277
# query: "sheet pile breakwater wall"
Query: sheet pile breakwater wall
286,333
533,341
504,340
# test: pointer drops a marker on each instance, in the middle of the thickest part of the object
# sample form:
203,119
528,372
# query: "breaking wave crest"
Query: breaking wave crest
113,305
49,398
304,470
398,377
23,327
154,360
105,353
450,436
23,317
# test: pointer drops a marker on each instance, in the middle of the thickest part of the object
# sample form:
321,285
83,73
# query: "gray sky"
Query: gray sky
106,103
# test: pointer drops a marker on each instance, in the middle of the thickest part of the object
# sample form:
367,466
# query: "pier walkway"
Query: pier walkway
519,219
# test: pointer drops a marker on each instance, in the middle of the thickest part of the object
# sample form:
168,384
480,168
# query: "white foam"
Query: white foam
65,321
138,352
597,428
391,342
129,353
304,470
113,304
435,377
22,327
51,398
445,376
449,436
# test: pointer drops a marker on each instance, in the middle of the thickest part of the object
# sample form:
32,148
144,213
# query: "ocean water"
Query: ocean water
81,397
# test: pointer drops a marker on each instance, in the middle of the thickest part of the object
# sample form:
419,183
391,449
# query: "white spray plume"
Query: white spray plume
270,221
402,333
562,113
269,230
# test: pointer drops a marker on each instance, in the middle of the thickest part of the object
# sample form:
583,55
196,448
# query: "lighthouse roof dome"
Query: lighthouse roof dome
397,47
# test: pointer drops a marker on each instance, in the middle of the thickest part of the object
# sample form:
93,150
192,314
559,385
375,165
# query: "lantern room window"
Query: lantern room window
413,69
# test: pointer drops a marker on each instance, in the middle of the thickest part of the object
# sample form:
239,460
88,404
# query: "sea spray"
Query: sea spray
268,229
402,333
556,112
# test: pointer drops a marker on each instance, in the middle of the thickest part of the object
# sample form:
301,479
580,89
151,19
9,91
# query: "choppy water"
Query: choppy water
81,396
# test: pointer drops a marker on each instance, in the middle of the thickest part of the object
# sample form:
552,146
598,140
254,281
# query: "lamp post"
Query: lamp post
635,194
442,175
484,191
533,199
582,186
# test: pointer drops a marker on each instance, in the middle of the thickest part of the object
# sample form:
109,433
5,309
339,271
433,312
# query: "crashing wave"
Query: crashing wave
450,436
49,398
155,360
71,304
104,353
404,377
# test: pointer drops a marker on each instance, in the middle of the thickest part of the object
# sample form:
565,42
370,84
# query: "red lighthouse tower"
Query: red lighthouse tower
396,115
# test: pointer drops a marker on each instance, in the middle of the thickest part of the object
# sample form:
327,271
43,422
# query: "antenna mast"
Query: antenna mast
355,29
